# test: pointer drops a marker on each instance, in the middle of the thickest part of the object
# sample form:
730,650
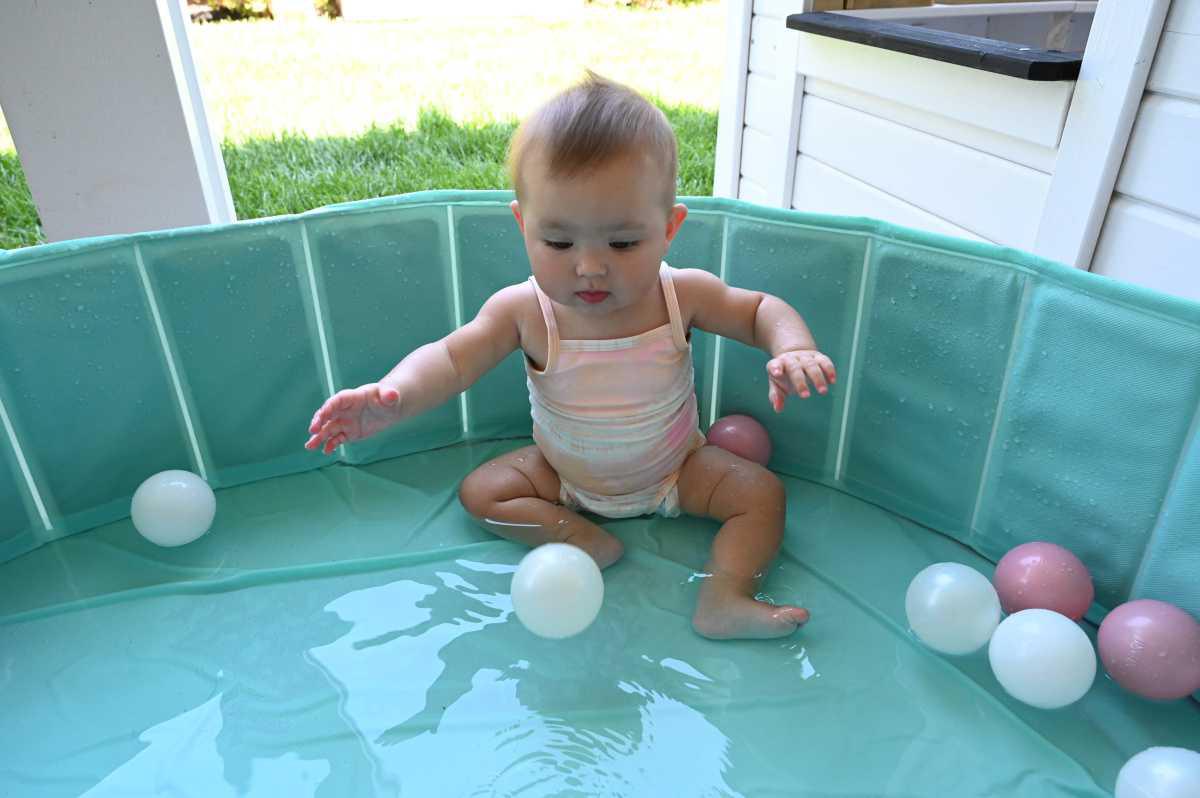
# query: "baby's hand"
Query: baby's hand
354,414
791,371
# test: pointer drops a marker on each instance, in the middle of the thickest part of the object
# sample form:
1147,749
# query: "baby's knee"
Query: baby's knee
475,494
766,492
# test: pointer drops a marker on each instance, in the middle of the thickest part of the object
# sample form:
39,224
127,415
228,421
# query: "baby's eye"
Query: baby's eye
558,244
623,244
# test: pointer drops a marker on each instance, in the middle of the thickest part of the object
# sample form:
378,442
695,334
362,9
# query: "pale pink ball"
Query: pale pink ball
743,436
1151,648
1043,576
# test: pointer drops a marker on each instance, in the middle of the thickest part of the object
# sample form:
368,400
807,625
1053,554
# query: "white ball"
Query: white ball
1042,658
1160,773
953,608
557,590
172,508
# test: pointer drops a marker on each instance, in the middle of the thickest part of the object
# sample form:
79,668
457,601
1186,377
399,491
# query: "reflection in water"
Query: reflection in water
440,711
181,759
800,655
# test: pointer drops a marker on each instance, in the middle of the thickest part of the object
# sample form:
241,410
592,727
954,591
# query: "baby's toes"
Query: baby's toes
794,616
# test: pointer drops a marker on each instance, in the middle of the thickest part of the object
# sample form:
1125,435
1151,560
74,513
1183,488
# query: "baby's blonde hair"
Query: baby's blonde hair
589,124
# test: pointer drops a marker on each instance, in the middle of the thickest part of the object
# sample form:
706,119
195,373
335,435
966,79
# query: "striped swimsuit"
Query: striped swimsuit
617,418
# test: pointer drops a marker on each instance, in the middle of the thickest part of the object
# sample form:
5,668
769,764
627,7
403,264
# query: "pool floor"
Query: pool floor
348,631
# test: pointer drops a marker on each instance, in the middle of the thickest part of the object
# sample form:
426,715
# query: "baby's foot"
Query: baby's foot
604,547
724,613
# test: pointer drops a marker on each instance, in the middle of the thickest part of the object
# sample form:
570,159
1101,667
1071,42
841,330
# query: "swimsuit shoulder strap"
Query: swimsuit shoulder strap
552,346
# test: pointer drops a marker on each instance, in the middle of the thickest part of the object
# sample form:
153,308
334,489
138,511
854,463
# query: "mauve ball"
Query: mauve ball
1151,648
1043,576
743,436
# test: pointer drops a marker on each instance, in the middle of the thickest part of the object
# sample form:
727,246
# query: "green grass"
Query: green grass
330,111
290,173
19,225
335,78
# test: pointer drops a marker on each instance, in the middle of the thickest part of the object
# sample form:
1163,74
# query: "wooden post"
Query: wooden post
105,109
1112,79
731,119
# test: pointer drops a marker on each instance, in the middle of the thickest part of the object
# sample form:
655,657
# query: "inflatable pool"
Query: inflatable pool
345,629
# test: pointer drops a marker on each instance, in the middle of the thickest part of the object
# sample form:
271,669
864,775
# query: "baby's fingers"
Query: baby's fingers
324,413
816,375
320,439
345,400
318,419
828,368
796,376
775,396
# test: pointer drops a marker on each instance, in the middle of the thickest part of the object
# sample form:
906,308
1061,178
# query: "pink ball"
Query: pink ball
1043,576
743,436
1151,648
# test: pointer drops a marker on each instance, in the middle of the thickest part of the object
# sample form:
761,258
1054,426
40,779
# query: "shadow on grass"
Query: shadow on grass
292,173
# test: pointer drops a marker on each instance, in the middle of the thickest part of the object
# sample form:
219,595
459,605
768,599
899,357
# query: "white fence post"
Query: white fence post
731,119
1111,83
104,106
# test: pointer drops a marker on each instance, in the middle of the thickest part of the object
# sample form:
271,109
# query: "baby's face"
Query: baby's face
595,240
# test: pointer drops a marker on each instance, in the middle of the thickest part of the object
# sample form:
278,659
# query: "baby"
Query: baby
604,325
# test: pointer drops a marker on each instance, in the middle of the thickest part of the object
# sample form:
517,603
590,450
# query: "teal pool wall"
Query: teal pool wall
987,394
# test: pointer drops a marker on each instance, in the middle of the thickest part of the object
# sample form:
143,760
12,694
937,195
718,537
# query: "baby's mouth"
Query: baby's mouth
592,297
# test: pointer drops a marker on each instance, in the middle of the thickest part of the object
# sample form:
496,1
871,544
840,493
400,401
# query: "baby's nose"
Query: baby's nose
591,264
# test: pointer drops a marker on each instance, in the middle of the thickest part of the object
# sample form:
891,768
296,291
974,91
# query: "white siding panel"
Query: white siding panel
1162,163
1150,246
757,160
765,30
1007,147
1030,110
765,37
1177,65
752,192
822,189
997,199
1184,17
762,111
777,9
763,60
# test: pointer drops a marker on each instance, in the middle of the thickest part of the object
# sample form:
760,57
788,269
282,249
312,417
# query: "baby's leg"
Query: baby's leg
516,496
750,502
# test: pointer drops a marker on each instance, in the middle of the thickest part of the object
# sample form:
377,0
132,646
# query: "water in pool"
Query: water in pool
350,631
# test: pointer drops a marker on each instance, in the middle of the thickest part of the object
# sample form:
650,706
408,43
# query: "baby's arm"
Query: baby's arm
763,321
427,377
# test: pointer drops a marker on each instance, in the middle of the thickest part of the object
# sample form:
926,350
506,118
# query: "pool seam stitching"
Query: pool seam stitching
456,291
855,343
26,472
173,368
1014,345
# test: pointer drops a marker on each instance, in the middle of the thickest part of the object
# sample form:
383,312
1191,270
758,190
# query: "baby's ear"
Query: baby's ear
675,219
516,211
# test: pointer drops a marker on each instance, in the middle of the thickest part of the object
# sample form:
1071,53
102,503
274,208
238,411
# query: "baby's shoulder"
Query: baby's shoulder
695,289
517,301
518,304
